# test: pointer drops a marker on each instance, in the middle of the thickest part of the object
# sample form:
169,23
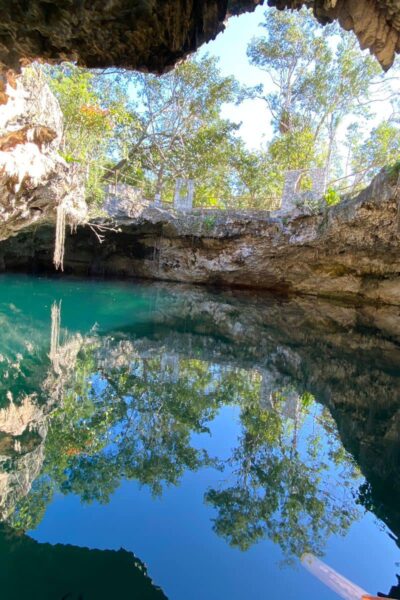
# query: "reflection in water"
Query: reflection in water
318,422
292,483
132,416
339,584
55,336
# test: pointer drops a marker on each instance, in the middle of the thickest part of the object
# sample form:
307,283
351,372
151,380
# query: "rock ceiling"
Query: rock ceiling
152,35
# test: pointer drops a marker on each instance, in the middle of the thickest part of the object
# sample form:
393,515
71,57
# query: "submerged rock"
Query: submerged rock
349,250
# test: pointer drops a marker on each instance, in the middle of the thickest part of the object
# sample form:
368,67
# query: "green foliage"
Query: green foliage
148,131
31,509
180,132
209,222
294,150
135,421
255,180
382,147
331,197
91,118
315,78
314,75
394,170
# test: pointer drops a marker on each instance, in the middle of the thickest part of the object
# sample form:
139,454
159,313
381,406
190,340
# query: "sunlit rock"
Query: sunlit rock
347,251
34,178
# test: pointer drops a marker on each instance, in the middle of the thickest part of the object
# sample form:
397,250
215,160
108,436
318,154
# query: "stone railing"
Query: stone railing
302,188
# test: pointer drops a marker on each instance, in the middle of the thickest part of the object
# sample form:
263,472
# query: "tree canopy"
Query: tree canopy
149,131
316,79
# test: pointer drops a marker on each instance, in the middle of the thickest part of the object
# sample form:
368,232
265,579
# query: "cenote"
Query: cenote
162,441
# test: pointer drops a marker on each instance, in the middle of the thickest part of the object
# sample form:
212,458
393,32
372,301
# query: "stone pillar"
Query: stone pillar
184,193
170,367
190,192
293,197
266,391
289,195
318,177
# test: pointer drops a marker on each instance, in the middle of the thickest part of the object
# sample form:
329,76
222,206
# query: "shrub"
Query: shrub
331,197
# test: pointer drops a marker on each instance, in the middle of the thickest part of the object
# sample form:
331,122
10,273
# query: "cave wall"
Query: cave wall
152,35
347,251
148,35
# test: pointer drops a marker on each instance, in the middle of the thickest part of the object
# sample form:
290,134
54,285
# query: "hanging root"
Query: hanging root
55,335
59,246
98,230
74,219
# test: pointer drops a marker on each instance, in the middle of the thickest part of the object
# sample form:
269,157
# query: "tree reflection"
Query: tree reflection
131,417
132,414
285,478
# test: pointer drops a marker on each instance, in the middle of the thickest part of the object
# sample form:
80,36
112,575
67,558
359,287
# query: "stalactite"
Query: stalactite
59,246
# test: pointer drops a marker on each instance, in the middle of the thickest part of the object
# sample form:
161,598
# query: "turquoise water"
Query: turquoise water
166,441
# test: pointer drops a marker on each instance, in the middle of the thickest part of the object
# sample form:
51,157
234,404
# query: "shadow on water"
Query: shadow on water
121,392
64,572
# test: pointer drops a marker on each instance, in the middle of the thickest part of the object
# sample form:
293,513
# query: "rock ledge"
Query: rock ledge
348,251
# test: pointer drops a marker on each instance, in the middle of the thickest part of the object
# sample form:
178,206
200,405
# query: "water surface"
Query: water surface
164,441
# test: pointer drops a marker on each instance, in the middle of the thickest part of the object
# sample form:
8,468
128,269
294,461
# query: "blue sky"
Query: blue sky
230,47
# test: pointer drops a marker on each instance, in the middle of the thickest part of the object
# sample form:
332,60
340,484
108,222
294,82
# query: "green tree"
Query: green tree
254,183
134,418
148,131
382,147
316,76
93,119
178,130
130,413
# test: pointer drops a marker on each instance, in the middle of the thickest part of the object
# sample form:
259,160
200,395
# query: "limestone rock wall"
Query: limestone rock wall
348,251
34,178
151,35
